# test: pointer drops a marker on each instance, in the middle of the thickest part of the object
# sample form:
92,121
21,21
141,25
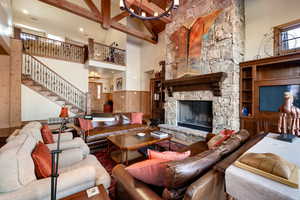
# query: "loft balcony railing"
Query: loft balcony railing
105,53
41,46
45,47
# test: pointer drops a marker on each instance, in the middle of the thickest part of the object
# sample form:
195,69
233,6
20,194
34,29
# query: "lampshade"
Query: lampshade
64,112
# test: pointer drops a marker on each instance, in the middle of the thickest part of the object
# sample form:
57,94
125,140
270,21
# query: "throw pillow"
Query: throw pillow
42,160
220,138
47,135
113,123
137,118
86,125
149,171
125,120
168,155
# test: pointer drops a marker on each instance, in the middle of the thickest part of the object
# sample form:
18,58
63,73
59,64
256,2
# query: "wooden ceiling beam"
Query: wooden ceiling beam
93,7
150,28
73,8
134,32
77,10
149,8
120,16
106,13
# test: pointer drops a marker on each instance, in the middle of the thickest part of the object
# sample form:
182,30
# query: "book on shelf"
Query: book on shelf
159,134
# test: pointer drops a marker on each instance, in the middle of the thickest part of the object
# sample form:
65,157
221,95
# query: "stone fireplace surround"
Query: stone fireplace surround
222,51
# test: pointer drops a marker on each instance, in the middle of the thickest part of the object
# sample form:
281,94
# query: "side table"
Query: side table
83,195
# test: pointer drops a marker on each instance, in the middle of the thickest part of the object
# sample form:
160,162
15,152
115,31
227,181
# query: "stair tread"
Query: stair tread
28,80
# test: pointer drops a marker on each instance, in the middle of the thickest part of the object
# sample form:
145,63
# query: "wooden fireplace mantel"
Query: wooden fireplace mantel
194,83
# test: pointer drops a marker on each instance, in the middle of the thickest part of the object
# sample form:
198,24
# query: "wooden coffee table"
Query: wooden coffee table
83,196
129,143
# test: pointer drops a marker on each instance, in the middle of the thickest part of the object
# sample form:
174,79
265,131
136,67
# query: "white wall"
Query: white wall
151,55
37,107
262,16
133,65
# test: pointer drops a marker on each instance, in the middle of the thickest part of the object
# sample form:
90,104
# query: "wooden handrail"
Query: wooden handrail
50,48
46,77
105,53
98,43
34,58
52,39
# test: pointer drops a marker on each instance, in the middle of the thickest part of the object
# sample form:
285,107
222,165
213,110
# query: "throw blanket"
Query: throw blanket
244,185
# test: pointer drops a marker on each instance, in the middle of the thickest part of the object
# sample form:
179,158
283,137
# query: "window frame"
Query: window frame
277,37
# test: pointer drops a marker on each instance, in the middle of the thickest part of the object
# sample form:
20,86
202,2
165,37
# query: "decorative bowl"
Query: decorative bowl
141,134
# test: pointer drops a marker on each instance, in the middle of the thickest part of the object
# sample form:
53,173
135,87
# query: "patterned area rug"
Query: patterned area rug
109,164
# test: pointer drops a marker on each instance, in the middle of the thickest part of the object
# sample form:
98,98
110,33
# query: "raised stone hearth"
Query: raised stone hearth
184,135
222,51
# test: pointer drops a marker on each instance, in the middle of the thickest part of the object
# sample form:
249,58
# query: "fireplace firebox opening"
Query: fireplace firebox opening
195,114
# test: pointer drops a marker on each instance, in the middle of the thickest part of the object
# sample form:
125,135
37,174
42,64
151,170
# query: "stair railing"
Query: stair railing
49,79
45,47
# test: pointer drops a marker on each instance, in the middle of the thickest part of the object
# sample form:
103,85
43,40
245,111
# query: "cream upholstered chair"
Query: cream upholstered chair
67,140
18,180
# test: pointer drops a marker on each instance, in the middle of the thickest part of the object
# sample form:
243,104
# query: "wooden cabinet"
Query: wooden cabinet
157,95
157,99
273,71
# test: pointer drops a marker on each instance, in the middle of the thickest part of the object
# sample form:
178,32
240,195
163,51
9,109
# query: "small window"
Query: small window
99,91
287,38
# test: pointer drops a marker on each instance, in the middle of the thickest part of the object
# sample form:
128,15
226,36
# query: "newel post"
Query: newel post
91,48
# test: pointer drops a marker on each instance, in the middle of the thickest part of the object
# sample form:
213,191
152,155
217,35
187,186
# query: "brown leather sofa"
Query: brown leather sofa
190,179
96,138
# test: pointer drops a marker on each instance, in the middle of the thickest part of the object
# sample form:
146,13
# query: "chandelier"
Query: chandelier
139,13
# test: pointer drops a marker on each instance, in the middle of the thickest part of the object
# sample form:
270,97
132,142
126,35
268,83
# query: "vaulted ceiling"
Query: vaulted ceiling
108,14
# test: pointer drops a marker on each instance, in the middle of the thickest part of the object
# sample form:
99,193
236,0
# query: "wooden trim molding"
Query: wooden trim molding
277,30
4,48
194,83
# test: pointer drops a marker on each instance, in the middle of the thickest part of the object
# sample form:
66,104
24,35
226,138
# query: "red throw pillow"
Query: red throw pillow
220,138
168,155
137,118
47,135
42,160
149,171
86,125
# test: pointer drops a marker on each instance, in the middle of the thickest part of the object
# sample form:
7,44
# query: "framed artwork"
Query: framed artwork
187,44
119,83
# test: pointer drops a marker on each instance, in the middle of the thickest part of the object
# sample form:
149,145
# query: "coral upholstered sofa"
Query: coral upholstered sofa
19,181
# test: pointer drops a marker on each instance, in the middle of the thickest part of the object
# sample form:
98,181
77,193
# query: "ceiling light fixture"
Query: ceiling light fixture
25,12
81,29
139,13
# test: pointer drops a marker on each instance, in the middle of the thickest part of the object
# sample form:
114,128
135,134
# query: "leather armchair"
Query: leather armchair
192,178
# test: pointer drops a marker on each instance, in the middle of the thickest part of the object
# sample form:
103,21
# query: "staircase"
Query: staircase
49,84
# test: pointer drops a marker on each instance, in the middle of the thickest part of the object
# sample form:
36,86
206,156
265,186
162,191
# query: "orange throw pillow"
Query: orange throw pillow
47,135
149,171
137,118
220,138
42,160
168,155
86,125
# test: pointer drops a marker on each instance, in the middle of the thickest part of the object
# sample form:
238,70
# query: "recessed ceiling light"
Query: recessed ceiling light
81,29
25,12
113,72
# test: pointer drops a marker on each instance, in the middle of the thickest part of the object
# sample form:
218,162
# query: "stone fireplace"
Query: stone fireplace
222,50
195,114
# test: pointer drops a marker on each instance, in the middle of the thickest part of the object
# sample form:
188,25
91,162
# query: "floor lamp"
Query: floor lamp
64,114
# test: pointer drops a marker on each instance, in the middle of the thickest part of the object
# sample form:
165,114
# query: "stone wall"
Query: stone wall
222,51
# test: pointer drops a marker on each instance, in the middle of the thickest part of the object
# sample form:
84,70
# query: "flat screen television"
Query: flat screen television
272,97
